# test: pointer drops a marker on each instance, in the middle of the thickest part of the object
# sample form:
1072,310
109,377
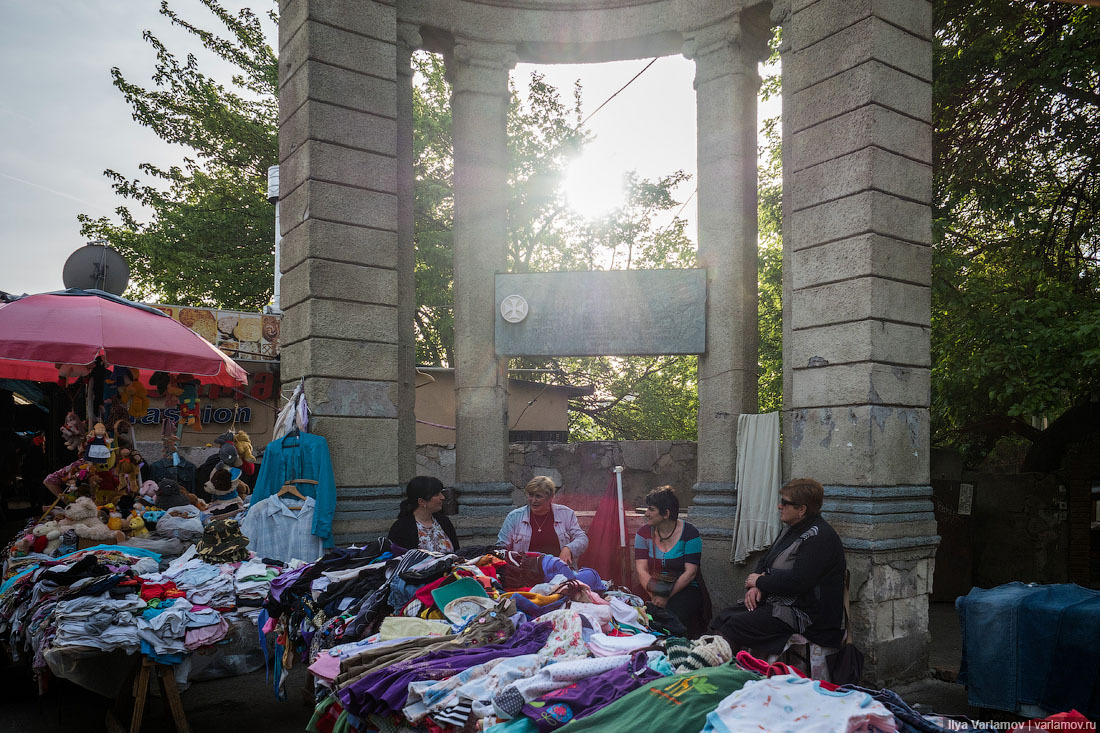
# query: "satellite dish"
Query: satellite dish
96,266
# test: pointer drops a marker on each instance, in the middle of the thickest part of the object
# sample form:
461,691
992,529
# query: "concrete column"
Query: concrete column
479,73
337,148
726,85
858,231
408,40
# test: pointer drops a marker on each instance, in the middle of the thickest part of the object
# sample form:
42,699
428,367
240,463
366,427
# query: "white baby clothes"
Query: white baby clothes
792,703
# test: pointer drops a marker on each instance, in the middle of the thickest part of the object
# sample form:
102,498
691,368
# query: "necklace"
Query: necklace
666,537
538,525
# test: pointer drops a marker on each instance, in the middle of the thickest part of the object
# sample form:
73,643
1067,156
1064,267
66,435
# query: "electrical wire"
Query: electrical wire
624,86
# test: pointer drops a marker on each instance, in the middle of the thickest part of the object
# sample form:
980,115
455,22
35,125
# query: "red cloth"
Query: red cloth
424,593
605,555
149,591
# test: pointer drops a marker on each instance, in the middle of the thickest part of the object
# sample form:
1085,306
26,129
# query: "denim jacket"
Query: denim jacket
515,533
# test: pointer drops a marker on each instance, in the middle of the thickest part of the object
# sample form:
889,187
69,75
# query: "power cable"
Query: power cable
624,86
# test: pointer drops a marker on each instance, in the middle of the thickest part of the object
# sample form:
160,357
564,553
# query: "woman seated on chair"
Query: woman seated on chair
543,526
421,523
667,555
798,587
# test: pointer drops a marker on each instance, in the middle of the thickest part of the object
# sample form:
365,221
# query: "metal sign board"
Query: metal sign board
606,313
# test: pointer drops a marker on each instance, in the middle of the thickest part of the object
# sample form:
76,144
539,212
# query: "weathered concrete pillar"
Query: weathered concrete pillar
726,85
337,148
857,233
408,40
479,73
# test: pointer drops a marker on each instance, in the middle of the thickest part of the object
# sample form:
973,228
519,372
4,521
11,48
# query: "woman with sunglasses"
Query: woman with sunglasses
798,587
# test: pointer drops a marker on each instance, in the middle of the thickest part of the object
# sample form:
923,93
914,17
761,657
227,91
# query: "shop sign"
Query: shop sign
244,336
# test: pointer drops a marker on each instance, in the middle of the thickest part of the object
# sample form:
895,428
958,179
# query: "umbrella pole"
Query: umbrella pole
89,400
619,495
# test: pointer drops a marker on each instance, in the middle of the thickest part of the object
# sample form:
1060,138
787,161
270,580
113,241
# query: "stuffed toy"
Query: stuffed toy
227,450
189,401
23,546
127,472
98,446
39,539
73,432
74,372
48,534
148,492
114,519
172,393
116,379
81,516
137,526
159,381
69,541
244,446
134,396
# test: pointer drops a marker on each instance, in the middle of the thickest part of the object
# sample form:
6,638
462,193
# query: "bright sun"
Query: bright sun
593,186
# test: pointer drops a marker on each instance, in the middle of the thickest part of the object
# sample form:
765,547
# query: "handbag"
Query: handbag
661,584
846,663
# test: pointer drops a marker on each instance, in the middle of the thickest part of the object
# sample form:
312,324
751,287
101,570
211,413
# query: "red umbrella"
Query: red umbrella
37,332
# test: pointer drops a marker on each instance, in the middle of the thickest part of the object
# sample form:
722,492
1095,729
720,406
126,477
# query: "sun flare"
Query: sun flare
593,186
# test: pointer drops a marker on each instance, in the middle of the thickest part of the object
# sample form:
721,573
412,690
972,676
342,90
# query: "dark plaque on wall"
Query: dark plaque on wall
610,313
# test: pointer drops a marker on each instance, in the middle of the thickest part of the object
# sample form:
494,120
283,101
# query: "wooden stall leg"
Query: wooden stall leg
141,689
171,694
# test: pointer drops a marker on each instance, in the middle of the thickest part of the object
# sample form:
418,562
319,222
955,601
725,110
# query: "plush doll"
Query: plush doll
114,518
98,446
244,446
73,432
49,535
74,372
69,541
137,526
189,401
23,546
127,472
148,492
38,544
81,516
135,396
172,393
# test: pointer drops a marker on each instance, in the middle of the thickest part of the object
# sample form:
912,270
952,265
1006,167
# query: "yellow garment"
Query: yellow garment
400,627
537,598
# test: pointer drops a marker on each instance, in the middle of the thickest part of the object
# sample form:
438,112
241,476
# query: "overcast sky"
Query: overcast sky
62,122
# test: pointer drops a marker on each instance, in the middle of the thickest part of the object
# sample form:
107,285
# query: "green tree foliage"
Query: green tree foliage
1016,312
210,231
770,252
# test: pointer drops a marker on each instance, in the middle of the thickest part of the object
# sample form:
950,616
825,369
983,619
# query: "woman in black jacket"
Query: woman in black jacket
421,522
798,587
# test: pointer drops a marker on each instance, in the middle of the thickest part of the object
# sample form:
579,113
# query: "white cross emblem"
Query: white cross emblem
513,308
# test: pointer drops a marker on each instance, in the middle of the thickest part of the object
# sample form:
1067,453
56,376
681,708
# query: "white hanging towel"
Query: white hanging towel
756,524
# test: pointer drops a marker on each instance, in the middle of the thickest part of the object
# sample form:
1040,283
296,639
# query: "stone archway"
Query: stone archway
857,236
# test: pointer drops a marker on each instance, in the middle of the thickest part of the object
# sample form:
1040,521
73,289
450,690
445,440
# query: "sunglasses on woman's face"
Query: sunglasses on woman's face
788,502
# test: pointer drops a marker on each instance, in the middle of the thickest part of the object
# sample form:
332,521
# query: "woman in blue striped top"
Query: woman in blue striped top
667,554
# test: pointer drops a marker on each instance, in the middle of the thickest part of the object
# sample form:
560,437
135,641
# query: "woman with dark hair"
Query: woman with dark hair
667,554
421,522
798,587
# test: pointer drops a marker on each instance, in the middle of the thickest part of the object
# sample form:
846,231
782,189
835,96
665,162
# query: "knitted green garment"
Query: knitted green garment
676,703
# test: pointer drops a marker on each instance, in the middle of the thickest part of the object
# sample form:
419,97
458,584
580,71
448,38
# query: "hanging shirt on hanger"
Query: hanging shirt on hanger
301,456
281,528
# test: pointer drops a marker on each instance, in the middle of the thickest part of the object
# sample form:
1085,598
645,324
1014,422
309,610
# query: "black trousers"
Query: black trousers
756,630
687,605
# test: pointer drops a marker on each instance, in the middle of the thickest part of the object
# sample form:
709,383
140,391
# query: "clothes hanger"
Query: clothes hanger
290,488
